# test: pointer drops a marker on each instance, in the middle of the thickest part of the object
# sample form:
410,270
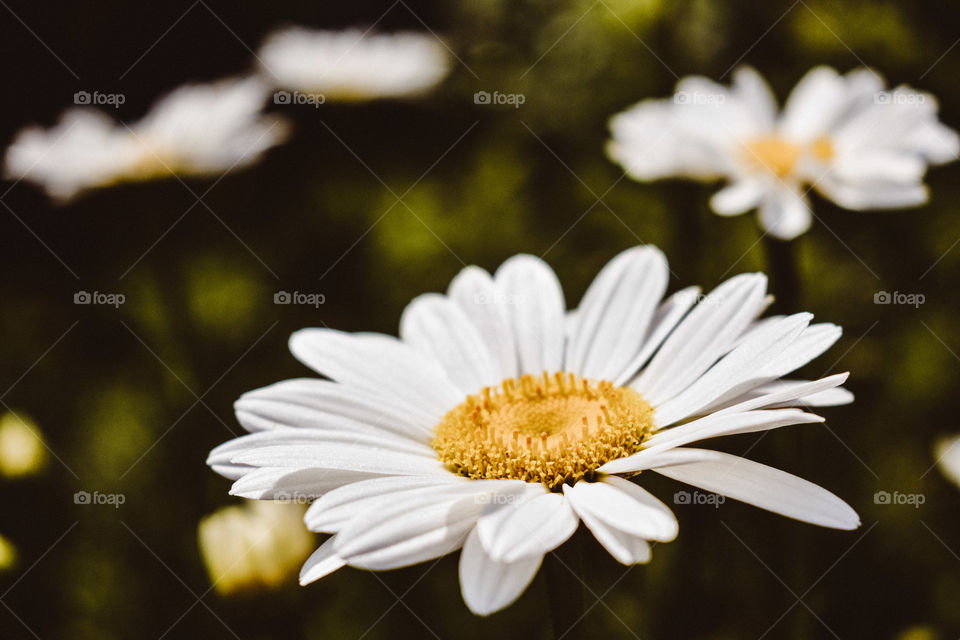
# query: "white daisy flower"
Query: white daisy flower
354,64
845,136
195,130
497,421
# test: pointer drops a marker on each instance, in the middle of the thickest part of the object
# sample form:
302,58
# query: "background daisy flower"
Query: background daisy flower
847,137
354,64
497,421
198,129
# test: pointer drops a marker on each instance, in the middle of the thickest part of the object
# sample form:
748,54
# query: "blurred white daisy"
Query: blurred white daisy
252,546
498,421
197,129
845,136
947,454
354,64
22,451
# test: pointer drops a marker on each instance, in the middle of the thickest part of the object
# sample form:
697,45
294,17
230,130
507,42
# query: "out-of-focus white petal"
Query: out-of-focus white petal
785,213
353,64
489,585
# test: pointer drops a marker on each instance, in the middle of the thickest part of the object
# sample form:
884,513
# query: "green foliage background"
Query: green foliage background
117,392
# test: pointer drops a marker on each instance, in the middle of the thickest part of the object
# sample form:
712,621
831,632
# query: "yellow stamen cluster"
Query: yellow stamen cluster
549,429
781,156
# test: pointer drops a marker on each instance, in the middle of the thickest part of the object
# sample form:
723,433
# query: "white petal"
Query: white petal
615,314
737,372
861,196
341,456
418,528
476,293
625,506
624,547
335,508
228,451
754,91
788,393
664,322
537,314
488,585
814,340
785,213
814,105
321,562
712,426
281,483
527,529
307,402
439,328
761,486
378,363
702,337
738,197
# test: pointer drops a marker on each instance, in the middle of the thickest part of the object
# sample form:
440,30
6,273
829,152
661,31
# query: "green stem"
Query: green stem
563,572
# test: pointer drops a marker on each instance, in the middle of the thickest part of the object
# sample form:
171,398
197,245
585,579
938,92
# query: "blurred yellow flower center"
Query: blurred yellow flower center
780,156
549,429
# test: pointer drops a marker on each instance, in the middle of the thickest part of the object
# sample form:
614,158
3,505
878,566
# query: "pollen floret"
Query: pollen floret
552,429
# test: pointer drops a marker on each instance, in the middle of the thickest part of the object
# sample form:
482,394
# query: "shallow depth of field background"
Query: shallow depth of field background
117,393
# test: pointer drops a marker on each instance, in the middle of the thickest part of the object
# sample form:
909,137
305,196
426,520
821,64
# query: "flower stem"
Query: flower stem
562,570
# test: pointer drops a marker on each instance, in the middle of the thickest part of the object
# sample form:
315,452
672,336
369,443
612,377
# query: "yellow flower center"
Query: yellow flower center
550,429
780,156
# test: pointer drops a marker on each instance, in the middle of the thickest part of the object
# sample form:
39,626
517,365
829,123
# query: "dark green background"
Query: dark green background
311,217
